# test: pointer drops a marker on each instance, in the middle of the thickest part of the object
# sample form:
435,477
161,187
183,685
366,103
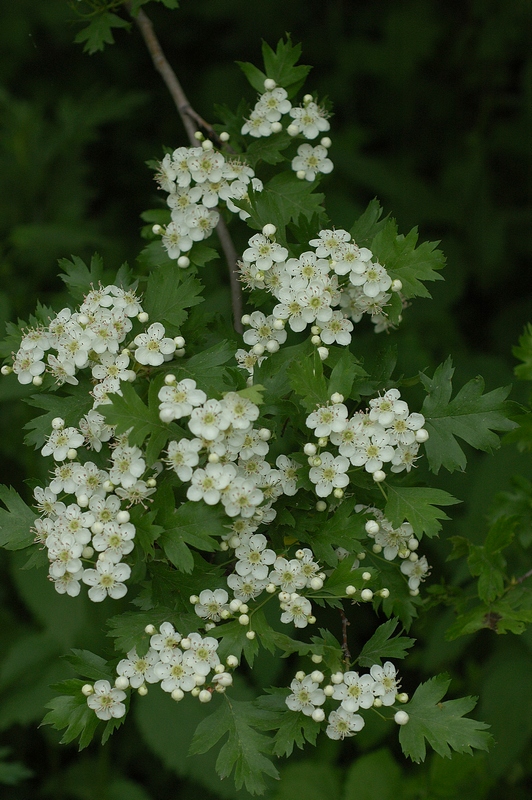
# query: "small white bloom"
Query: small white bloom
107,579
107,702
306,695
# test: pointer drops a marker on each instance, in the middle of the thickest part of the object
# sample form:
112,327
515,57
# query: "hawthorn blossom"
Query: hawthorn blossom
106,702
153,346
106,579
343,723
306,695
330,474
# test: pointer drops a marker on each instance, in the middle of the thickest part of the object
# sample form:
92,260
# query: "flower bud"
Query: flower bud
87,689
372,527
402,698
244,608
366,576
338,493
151,483
311,620
6,370
195,691
143,690
207,144
121,682
269,230
396,285
83,500
316,340
377,548
310,449
157,230
272,346
250,635
401,717
269,84
318,715
422,435
366,595
301,174
350,590
278,325
179,342
150,630
177,695
234,605
122,517
328,691
194,599
58,423
37,380
87,552
284,597
271,588
258,349
379,476
323,441
321,505
300,675
224,136
245,319
337,678
183,262
72,453
265,435
292,130
325,142
143,317
317,676
384,593
231,661
413,544
316,658
243,619
337,398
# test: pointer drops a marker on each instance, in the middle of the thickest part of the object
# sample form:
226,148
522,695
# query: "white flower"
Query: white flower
273,104
330,474
306,695
242,498
287,574
176,239
166,642
183,456
27,365
68,583
287,474
328,241
152,346
261,330
264,252
175,673
180,201
312,160
206,165
206,421
238,411
202,655
404,457
297,610
207,484
179,399
373,452
342,723
106,702
386,683
254,557
246,588
385,409
113,366
61,441
64,554
327,419
309,120
355,692
95,430
201,222
106,579
416,571
337,329
115,541
211,604
139,668
128,465
373,280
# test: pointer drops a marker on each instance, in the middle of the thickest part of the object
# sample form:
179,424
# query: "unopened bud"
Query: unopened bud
318,715
269,230
224,136
366,595
401,717
150,630
37,380
183,262
321,505
379,476
372,527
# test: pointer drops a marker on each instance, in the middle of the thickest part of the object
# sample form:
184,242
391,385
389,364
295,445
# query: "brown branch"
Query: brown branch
345,646
192,122
524,577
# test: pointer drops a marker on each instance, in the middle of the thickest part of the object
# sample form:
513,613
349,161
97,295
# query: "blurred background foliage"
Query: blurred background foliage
432,107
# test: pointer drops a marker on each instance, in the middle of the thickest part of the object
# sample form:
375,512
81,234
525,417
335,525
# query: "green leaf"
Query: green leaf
442,725
254,75
344,373
71,712
89,665
284,199
79,278
206,367
16,522
405,262
268,149
343,528
311,780
245,747
70,408
306,379
191,524
523,351
98,32
168,294
471,416
382,645
129,412
368,225
280,65
418,506
128,629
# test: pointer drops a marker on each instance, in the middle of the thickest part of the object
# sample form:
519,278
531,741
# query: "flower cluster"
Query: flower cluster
385,434
197,179
179,664
329,288
392,542
354,691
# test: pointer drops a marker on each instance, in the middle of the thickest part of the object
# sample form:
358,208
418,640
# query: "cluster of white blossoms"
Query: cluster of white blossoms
329,288
93,338
387,433
380,687
82,507
273,104
399,542
82,513
197,179
179,664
